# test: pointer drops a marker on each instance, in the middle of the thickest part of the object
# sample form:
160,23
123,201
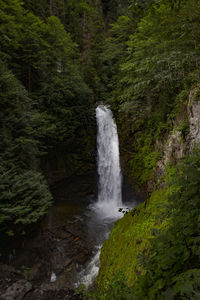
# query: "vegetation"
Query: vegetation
24,194
153,252
58,58
45,106
129,240
173,266
152,63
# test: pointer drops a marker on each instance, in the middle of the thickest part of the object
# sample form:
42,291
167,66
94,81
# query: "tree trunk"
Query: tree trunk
53,7
29,79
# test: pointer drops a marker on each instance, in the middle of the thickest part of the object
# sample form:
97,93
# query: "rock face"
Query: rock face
194,117
23,290
173,149
52,294
63,250
174,146
17,290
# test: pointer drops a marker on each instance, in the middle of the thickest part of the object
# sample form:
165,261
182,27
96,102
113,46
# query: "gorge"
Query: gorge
60,58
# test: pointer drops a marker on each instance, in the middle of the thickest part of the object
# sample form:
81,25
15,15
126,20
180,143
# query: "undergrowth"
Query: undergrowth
153,252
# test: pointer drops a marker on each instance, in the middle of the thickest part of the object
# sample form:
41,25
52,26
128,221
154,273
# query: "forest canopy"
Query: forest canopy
44,102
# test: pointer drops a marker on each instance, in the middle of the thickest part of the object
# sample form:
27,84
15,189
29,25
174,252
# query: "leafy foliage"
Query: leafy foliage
151,59
163,50
167,266
24,197
174,258
24,194
45,105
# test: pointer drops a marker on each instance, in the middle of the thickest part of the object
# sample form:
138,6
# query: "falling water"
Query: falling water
106,209
109,189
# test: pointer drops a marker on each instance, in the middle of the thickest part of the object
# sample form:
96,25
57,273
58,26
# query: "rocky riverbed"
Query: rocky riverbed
50,264
46,266
61,251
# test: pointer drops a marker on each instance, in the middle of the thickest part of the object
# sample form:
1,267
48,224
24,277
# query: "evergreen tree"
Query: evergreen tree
24,194
45,103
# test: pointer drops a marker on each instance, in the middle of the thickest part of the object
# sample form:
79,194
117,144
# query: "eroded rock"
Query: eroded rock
17,290
194,117
52,294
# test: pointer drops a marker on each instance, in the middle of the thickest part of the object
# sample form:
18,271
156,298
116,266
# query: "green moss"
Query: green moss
129,240
143,161
185,129
197,95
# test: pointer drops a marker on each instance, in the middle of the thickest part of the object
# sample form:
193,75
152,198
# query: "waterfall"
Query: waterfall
109,188
105,211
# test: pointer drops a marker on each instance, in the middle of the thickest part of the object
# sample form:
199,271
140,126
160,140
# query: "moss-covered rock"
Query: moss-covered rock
130,240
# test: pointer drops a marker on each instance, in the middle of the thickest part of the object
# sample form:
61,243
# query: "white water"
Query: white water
106,210
53,277
109,171
89,274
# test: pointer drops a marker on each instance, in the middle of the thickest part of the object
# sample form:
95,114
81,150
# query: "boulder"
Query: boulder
17,290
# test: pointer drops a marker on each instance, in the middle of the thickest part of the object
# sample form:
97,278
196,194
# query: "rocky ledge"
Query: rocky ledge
61,252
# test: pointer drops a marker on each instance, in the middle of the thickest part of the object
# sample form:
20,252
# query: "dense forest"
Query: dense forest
46,106
142,57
